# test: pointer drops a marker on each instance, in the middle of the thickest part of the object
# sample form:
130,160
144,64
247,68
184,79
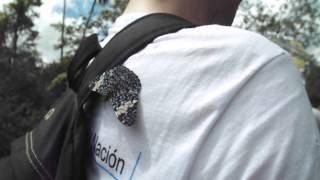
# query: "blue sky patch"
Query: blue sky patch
78,7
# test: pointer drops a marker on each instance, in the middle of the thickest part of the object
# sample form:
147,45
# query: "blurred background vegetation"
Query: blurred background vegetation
28,86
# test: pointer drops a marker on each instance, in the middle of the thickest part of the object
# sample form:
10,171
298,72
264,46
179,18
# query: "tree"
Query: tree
88,25
286,21
17,20
89,18
62,29
23,99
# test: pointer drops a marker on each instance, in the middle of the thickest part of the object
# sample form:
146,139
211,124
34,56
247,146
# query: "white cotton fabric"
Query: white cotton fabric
216,103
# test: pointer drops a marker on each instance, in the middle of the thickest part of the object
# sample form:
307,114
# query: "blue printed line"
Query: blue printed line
135,166
103,168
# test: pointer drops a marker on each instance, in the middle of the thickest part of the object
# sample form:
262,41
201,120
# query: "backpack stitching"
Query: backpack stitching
30,160
39,162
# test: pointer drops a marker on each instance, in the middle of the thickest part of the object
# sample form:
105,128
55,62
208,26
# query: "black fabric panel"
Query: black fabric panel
38,154
20,163
48,135
89,48
7,172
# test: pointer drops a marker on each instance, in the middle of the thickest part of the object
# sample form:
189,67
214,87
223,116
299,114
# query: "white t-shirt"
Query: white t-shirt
216,103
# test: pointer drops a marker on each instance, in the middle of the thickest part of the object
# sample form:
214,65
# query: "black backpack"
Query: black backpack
57,147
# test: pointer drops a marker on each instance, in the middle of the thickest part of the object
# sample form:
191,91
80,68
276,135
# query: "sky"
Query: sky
51,12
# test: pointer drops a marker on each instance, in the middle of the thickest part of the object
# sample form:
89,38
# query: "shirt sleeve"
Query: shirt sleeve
267,131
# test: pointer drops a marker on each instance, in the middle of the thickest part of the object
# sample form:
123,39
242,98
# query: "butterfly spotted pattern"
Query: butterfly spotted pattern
121,87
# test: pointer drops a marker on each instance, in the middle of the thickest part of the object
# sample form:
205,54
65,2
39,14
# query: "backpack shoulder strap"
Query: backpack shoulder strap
127,42
89,47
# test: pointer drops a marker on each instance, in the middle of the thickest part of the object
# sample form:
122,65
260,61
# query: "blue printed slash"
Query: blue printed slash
135,166
116,178
106,170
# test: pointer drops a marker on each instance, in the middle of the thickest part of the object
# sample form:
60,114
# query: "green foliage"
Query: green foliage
287,20
58,81
111,14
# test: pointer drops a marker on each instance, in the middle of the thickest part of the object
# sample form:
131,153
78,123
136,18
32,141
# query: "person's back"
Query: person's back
216,103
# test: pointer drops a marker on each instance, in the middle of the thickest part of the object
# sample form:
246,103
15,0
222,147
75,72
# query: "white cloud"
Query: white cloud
48,35
3,2
317,53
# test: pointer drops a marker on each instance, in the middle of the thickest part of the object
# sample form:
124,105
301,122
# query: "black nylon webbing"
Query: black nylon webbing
129,41
89,48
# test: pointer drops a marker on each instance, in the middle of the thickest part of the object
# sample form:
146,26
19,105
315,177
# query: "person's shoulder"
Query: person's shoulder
233,39
238,35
